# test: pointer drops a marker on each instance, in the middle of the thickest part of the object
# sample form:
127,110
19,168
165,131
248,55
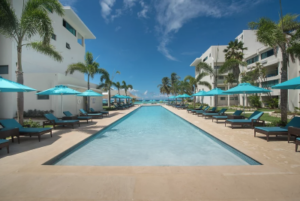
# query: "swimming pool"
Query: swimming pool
151,136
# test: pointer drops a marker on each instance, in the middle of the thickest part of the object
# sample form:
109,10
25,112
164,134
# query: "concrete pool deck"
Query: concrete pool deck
23,177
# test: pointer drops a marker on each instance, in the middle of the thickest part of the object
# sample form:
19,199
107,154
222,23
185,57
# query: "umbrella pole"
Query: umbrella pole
61,104
244,100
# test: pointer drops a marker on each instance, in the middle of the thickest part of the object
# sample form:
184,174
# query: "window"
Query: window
4,69
236,98
232,98
69,27
267,54
68,46
53,36
252,60
205,59
269,83
222,98
42,97
209,54
273,72
79,39
221,77
222,88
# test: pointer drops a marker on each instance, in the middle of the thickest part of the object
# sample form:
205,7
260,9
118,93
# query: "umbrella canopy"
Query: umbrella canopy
117,96
215,92
89,93
200,93
290,84
246,88
10,86
59,90
184,96
172,97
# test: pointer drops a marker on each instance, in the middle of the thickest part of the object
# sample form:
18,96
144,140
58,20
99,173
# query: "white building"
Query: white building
42,72
215,57
257,52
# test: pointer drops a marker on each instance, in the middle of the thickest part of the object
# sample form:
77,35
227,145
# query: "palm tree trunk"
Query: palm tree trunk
284,92
20,79
88,98
228,97
109,98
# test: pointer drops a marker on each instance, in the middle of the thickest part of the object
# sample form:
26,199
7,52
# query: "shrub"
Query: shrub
31,124
254,101
272,103
36,113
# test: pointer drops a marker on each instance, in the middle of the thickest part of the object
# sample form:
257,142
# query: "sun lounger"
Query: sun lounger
206,111
190,110
4,143
12,123
119,107
253,120
70,116
195,111
52,120
93,115
235,115
210,115
103,112
294,124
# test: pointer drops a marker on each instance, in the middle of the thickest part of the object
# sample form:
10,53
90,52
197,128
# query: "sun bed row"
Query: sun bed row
259,126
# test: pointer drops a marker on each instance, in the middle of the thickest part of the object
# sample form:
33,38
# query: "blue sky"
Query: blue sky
147,40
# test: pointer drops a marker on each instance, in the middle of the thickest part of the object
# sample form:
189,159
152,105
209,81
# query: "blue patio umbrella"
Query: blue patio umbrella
290,84
10,86
200,93
215,92
246,88
184,96
59,90
89,93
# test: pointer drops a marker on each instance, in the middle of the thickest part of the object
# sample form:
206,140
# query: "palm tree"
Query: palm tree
165,87
106,83
202,66
229,81
233,58
284,35
89,67
174,83
126,87
194,82
34,21
118,86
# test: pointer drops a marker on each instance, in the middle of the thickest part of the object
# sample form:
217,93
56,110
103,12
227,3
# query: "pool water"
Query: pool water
152,136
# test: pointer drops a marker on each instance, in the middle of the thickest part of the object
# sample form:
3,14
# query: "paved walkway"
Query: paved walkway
24,178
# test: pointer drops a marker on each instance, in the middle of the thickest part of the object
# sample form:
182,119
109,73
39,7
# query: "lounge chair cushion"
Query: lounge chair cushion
238,112
272,129
240,120
83,117
68,114
210,114
3,141
220,117
12,123
94,114
33,130
298,138
66,121
51,117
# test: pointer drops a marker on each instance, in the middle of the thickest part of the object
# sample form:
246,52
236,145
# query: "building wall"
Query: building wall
42,72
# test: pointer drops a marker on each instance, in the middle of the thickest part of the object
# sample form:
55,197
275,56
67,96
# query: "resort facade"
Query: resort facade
256,52
42,72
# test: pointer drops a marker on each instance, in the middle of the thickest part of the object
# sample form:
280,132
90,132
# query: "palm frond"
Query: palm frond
8,20
80,67
230,64
204,83
46,49
205,67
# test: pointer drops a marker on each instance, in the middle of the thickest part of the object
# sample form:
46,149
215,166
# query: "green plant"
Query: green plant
272,103
277,123
31,124
254,101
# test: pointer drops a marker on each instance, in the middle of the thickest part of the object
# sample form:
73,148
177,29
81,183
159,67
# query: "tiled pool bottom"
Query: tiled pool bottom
152,136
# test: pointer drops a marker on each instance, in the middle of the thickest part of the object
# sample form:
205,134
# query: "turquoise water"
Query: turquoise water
152,136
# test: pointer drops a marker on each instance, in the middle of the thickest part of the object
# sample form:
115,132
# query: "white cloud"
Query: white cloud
172,15
145,93
118,28
133,90
144,11
106,7
129,3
